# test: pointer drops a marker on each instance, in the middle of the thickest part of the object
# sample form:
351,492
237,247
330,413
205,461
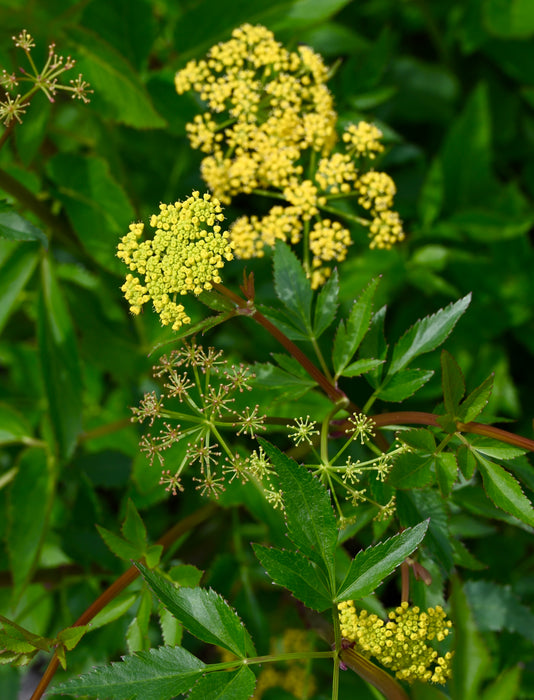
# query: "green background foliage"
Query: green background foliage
451,84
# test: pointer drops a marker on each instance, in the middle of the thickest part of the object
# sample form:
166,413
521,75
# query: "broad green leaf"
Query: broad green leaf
497,608
269,376
504,490
426,334
294,571
116,608
355,369
463,557
225,685
15,228
118,92
292,286
446,471
186,575
494,448
171,629
158,674
505,686
509,20
311,522
137,638
476,401
349,335
15,272
420,439
119,546
97,206
202,612
374,345
284,322
133,528
371,566
59,362
453,383
470,660
412,471
412,506
13,426
404,384
29,503
326,305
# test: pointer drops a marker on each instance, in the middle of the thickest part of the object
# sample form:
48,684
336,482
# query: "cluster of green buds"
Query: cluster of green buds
45,80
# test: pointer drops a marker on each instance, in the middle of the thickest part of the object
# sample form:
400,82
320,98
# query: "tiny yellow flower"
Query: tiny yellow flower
185,255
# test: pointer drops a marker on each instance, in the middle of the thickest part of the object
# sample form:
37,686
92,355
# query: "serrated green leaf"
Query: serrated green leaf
118,92
477,400
404,384
311,522
371,566
119,546
71,636
349,335
15,638
463,557
113,610
504,490
186,575
225,685
171,629
294,571
453,383
374,345
412,471
158,674
133,528
426,334
15,272
466,461
412,506
326,305
29,503
137,634
420,439
497,608
271,377
355,369
14,228
202,612
446,471
470,661
292,286
494,448
283,322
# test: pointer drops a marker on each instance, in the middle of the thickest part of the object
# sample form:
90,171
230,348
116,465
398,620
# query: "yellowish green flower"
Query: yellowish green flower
185,255
400,643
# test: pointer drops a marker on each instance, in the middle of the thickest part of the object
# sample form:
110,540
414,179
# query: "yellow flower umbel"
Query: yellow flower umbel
400,644
271,130
185,255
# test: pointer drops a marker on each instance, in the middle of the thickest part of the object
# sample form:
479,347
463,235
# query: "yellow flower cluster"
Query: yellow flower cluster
400,644
277,121
185,255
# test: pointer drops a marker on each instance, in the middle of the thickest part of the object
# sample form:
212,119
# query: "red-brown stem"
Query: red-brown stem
120,584
381,680
334,394
421,418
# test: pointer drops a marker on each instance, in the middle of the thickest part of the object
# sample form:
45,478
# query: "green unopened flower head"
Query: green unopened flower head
185,255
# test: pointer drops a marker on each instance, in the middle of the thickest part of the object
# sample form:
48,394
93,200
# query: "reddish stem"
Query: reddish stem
120,584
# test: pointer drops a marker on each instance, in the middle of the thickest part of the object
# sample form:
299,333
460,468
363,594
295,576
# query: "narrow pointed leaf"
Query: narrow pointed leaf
119,546
203,612
311,522
374,345
15,228
292,286
15,272
446,472
350,335
225,685
355,369
371,566
404,384
294,571
158,674
427,334
504,490
477,400
133,527
326,305
453,383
